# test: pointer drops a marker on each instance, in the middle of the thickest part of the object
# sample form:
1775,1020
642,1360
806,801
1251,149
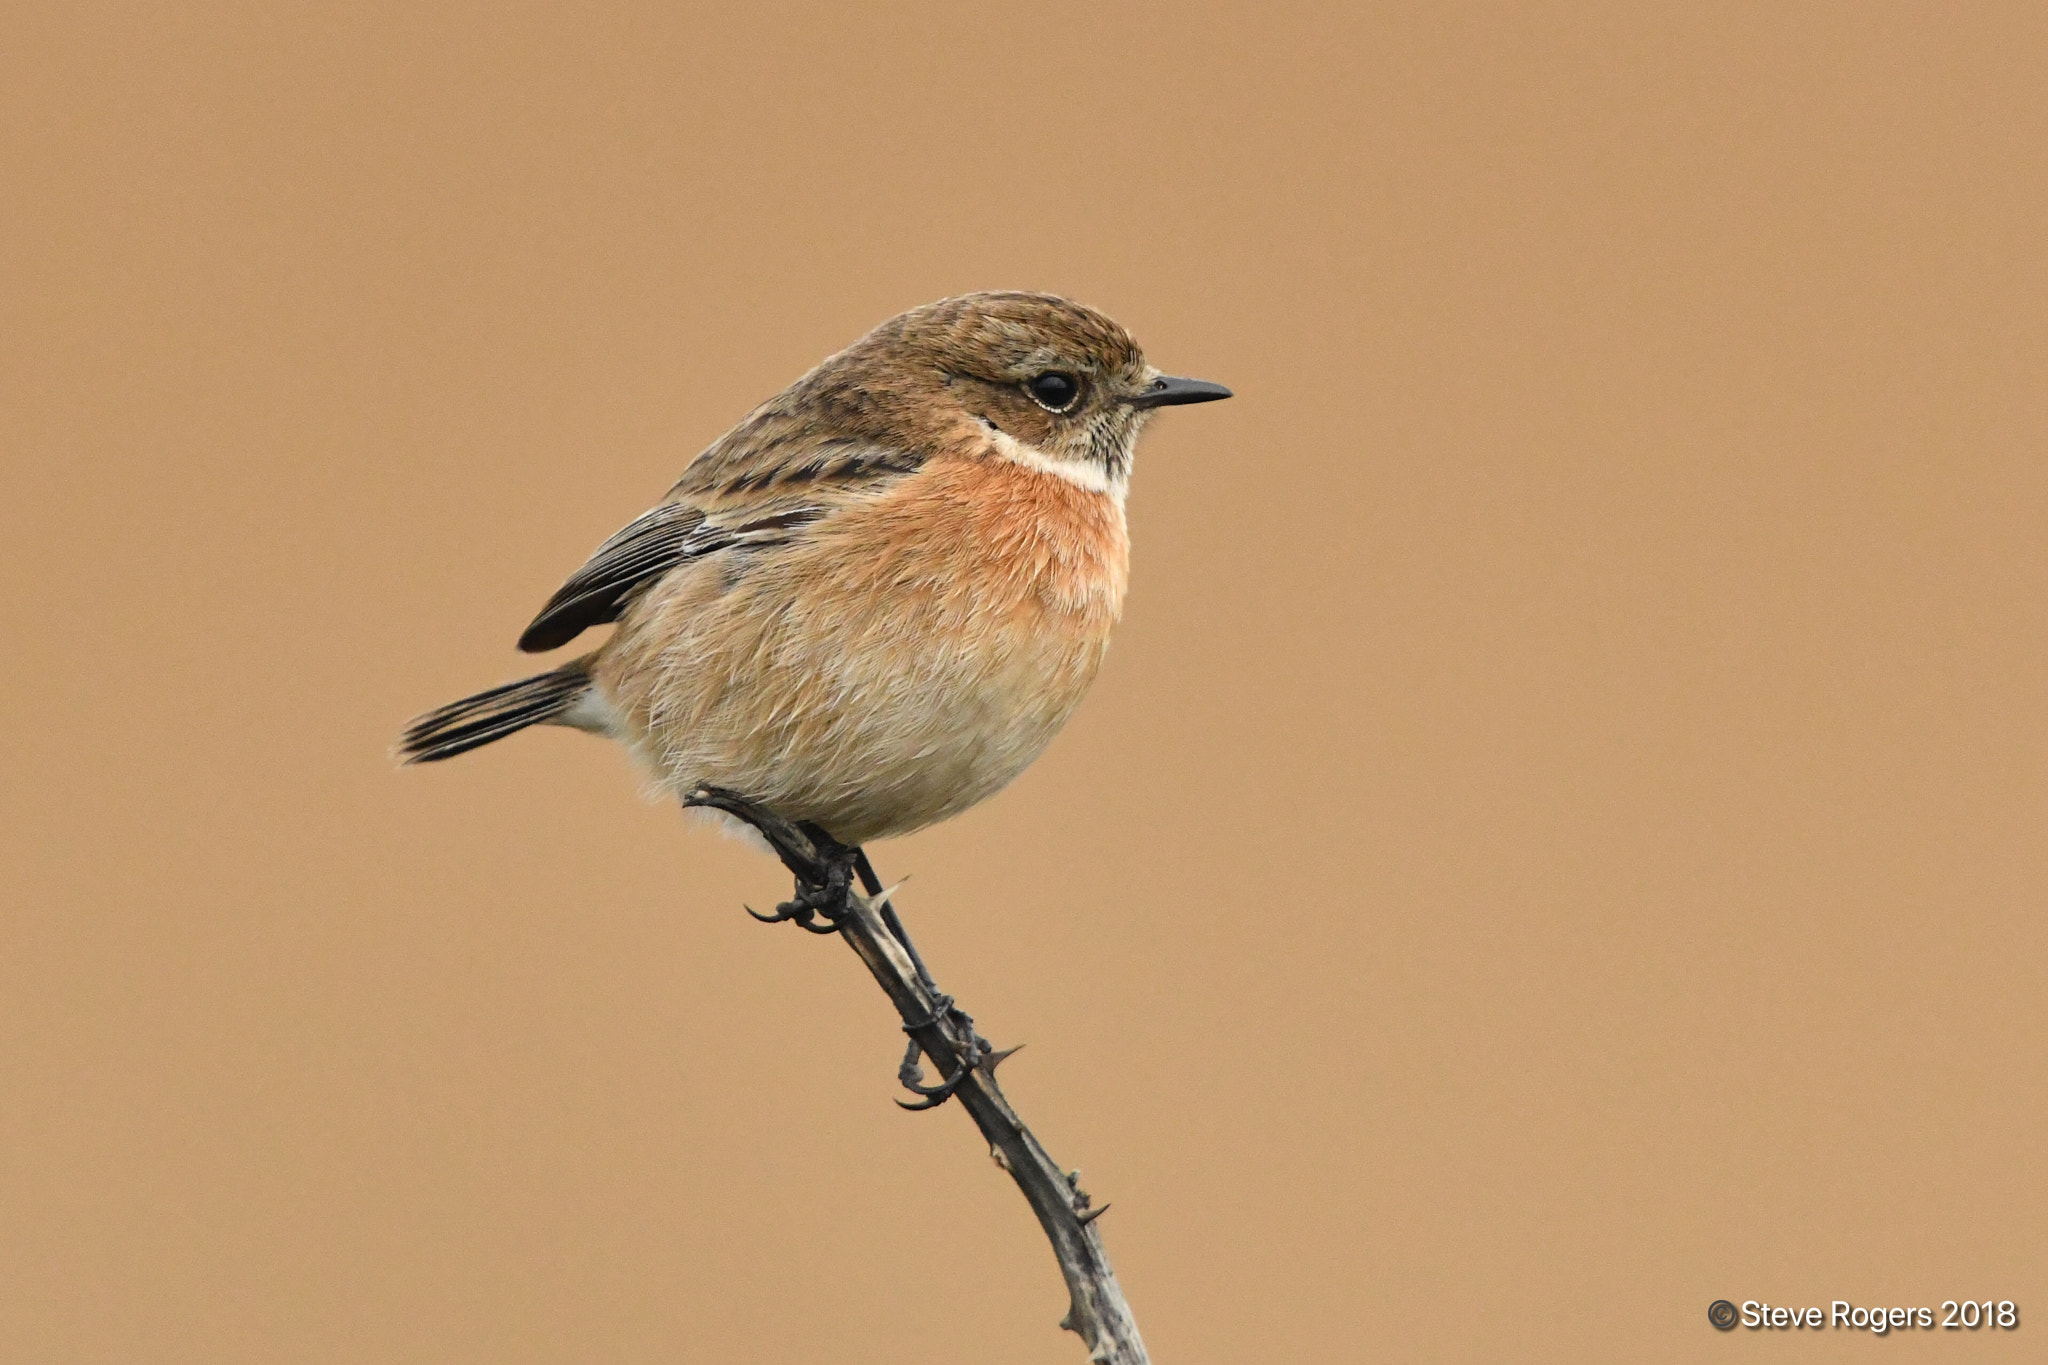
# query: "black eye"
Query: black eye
1055,391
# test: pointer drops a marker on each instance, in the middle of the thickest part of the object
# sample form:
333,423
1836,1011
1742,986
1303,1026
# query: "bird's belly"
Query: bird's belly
914,738
865,729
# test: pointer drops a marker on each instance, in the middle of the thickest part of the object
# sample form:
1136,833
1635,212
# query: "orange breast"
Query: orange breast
1029,536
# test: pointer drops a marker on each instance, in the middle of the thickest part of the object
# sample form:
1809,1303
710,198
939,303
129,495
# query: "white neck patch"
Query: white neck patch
1092,477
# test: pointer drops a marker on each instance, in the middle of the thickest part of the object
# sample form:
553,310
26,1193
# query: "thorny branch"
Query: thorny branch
1097,1311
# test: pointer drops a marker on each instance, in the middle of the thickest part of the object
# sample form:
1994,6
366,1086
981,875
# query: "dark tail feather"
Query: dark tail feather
475,721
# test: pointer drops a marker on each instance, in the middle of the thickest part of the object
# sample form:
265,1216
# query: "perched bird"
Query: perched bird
873,602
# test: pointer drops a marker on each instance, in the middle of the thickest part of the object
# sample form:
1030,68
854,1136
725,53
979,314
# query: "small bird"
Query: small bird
875,601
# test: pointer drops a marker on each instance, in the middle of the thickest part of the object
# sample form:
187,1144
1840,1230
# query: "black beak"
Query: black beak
1168,392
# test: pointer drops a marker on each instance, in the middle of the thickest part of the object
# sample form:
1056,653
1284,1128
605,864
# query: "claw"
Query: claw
813,900
805,917
943,1088
910,1076
935,1095
923,1105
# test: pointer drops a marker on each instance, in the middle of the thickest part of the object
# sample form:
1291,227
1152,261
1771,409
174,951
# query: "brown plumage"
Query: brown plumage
874,601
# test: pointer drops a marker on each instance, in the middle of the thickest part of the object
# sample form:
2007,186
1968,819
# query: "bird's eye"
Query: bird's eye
1054,391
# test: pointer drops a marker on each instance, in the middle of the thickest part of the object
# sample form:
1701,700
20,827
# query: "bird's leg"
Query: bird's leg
911,1075
824,870
872,884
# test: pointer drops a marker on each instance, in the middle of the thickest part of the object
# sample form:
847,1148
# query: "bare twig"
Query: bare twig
1096,1310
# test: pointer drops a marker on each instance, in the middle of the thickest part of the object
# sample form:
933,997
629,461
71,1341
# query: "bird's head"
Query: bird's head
1058,379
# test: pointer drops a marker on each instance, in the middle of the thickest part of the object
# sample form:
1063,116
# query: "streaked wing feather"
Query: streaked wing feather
754,466
645,550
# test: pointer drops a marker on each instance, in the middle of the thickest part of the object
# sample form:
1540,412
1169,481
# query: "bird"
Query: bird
873,602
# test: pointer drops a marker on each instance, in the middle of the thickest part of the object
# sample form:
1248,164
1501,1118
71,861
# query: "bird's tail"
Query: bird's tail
475,721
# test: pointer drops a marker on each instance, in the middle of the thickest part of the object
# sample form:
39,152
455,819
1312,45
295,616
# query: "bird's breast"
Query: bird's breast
1011,533
982,576
905,658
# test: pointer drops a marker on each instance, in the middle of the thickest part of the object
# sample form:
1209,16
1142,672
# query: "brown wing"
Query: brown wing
755,498
793,463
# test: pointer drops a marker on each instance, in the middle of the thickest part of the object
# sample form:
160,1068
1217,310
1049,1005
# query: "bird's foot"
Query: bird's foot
823,867
911,1077
823,900
978,1053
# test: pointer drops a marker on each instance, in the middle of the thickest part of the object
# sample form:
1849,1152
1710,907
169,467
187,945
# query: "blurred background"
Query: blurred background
1558,840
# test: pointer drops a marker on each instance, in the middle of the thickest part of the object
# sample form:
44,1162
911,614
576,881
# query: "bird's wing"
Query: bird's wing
773,465
755,501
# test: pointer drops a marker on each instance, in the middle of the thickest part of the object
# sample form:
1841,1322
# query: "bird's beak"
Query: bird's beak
1168,392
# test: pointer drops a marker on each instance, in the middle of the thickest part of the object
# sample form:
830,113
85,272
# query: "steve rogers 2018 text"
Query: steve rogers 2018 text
1954,1315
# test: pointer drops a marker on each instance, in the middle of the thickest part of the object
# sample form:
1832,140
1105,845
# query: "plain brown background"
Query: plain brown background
1558,839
